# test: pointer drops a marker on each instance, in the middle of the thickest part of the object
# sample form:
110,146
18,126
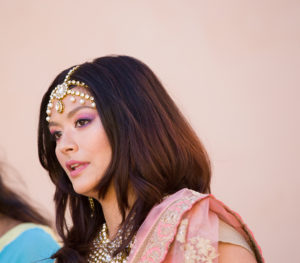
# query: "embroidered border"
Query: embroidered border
164,232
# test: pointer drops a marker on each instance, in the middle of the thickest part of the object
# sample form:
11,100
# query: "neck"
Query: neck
111,211
112,214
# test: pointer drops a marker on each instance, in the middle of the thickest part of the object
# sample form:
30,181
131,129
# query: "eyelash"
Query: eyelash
85,122
55,136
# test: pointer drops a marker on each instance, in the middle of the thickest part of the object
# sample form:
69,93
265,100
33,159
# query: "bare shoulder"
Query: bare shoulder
230,253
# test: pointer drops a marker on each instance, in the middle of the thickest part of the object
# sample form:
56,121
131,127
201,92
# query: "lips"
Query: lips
76,167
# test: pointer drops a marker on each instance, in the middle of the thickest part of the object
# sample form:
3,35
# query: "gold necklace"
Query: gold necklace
103,249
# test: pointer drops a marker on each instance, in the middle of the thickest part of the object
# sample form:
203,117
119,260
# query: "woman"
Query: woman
132,172
25,235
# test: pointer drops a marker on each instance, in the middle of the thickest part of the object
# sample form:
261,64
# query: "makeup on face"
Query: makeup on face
81,119
84,118
82,146
76,167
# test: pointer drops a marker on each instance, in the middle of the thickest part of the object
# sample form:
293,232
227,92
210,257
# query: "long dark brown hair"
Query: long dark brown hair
154,150
15,206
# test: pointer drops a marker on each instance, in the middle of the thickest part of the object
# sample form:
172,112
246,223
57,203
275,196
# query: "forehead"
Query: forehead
80,98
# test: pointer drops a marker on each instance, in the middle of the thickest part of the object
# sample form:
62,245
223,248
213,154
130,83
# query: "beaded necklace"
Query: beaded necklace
103,249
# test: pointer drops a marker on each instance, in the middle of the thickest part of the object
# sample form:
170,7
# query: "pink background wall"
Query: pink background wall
232,67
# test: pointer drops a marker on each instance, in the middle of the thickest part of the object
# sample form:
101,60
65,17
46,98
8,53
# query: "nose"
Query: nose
67,144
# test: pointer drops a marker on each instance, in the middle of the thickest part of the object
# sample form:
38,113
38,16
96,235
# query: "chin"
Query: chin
82,190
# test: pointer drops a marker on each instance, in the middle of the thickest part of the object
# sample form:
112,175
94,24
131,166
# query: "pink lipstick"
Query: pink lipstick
76,167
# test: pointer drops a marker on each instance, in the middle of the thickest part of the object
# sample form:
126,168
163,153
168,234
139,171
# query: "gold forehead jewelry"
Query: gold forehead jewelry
62,90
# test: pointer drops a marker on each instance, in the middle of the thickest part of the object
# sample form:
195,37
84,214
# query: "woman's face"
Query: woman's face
82,147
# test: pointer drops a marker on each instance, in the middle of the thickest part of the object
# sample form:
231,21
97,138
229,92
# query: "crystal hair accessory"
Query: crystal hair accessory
62,90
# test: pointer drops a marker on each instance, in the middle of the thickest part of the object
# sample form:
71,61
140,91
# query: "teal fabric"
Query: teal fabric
31,246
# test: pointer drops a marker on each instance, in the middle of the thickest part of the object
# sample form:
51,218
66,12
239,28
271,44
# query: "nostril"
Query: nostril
70,149
67,149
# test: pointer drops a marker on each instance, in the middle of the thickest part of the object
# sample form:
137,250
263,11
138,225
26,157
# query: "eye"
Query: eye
55,136
82,122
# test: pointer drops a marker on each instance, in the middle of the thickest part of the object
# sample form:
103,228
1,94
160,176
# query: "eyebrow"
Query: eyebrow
70,114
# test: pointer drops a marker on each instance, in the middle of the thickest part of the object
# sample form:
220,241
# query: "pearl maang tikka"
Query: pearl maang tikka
62,90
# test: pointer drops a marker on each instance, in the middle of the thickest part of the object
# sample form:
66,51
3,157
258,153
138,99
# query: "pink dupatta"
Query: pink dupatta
184,228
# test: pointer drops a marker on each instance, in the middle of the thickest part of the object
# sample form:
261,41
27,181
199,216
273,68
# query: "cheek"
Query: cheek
101,150
59,156
98,142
